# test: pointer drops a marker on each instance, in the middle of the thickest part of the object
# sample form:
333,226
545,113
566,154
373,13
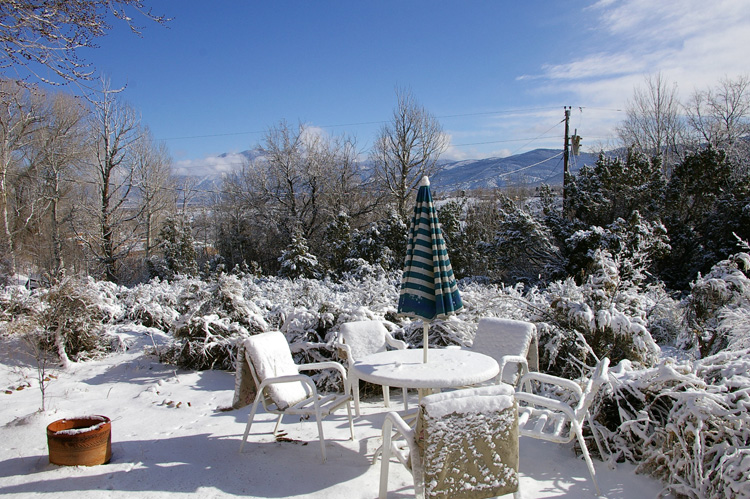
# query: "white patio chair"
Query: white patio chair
556,421
465,444
512,343
283,390
361,338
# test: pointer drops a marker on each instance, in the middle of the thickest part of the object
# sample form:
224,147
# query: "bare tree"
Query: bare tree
47,35
112,228
720,117
406,149
347,191
653,126
153,183
55,153
19,115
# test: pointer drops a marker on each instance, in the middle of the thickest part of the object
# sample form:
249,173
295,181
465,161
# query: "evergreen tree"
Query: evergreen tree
178,250
337,238
395,234
382,243
524,248
297,261
706,204
635,242
611,189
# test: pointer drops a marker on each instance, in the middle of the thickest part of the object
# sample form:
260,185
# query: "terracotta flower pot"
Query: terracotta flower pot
84,441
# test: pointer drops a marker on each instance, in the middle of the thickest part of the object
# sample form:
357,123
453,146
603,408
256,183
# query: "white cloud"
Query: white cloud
693,43
209,165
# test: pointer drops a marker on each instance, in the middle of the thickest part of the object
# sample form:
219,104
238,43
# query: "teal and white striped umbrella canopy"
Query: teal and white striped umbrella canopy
428,287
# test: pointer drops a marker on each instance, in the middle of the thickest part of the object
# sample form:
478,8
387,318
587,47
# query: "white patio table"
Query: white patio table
445,368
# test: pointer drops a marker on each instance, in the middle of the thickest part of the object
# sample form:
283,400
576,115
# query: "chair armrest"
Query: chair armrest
513,359
327,365
347,350
539,401
399,425
289,379
551,380
398,344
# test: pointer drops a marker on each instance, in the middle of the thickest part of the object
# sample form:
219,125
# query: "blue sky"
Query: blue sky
495,73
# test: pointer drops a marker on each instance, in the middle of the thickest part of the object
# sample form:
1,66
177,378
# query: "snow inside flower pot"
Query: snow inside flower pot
82,441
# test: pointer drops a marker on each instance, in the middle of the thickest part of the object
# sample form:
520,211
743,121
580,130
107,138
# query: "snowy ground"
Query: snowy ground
170,439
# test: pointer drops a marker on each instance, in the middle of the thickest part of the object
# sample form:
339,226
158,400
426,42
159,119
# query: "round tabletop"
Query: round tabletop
445,368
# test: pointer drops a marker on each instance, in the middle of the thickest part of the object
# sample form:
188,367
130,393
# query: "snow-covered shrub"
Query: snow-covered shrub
154,304
603,317
73,312
685,423
722,295
17,301
216,316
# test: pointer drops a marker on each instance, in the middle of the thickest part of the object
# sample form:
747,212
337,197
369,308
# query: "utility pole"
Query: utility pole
566,159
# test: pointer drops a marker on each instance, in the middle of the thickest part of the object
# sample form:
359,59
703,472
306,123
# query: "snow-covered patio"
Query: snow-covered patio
171,438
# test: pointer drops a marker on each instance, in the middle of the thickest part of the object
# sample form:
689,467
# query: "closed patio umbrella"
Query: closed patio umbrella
428,287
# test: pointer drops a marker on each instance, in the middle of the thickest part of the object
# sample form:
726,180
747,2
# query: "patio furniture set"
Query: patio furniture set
462,439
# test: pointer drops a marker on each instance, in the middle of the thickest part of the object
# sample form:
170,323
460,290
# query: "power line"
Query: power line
361,123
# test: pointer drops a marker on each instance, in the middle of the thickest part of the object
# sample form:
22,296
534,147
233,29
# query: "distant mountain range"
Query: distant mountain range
530,169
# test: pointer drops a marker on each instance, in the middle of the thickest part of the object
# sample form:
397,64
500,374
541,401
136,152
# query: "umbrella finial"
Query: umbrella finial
424,182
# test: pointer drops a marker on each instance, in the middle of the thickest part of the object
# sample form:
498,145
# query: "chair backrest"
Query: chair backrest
599,377
498,337
363,337
269,356
468,441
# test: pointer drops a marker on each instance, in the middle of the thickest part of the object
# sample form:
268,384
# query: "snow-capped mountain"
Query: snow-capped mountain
540,166
530,169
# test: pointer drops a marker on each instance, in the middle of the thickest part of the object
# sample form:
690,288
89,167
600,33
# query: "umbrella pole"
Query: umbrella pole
425,339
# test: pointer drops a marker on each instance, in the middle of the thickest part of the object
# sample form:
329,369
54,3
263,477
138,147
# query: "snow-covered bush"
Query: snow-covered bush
604,317
16,301
154,304
685,423
215,317
717,301
68,318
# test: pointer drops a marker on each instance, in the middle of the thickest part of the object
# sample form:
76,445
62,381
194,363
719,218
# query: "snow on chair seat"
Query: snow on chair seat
465,444
556,421
283,390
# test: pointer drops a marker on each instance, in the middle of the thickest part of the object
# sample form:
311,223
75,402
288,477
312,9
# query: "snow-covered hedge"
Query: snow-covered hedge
687,423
